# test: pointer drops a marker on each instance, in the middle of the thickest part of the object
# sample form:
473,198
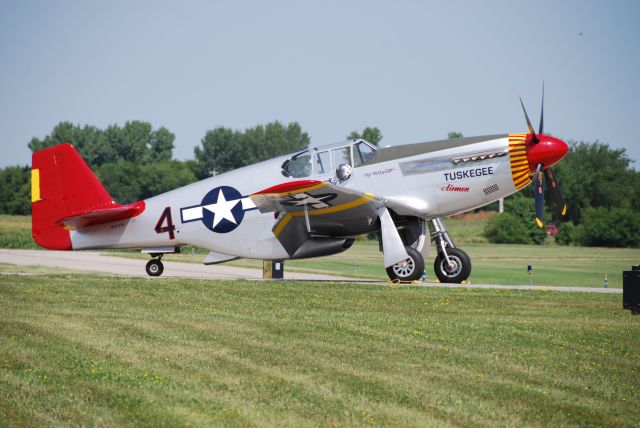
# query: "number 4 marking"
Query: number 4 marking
165,224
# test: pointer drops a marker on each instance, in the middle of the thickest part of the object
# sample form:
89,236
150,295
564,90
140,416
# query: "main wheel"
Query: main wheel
459,270
154,267
408,270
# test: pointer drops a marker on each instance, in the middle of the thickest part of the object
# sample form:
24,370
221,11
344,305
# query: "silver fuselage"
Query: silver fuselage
425,180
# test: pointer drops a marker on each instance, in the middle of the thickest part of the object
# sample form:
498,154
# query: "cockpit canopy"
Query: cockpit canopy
324,160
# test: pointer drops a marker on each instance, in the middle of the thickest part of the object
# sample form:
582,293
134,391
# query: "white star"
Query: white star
222,209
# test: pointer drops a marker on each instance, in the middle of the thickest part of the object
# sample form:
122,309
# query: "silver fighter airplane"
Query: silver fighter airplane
308,204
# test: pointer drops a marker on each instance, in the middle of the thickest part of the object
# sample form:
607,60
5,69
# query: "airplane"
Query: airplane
307,204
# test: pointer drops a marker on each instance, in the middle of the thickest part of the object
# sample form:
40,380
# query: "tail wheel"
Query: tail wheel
154,267
458,271
410,269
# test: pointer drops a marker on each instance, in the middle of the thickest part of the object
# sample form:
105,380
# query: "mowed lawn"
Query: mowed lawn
98,350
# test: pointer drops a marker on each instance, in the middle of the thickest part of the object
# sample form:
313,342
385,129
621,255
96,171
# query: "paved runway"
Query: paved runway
90,261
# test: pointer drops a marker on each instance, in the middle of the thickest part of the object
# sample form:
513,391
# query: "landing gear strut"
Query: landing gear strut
154,266
452,264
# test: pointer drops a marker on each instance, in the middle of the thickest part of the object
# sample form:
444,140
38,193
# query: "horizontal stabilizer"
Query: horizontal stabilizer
92,217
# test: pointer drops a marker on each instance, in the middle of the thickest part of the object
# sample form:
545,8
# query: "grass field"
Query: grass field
15,232
91,350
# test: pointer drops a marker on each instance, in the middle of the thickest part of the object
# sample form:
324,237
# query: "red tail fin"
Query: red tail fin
66,195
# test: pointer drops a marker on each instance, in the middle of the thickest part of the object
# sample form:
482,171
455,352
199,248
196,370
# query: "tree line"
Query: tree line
135,162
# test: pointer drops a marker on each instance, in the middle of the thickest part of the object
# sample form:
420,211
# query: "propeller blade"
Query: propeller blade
541,112
556,193
526,116
538,191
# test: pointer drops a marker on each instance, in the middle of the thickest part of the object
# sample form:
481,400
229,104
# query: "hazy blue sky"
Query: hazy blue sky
415,69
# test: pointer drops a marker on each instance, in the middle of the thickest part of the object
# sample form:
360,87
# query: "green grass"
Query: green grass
87,350
552,265
15,232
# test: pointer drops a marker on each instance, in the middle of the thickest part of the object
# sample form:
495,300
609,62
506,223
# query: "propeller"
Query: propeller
526,116
538,194
556,194
541,127
542,170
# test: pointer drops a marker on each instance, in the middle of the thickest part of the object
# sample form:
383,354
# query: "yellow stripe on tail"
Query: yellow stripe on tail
35,185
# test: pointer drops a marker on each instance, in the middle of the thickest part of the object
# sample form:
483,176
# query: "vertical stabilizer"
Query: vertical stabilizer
62,186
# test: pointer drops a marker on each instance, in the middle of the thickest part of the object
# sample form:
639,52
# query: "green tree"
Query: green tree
506,228
15,190
83,138
594,175
161,177
161,145
609,227
521,208
565,235
122,180
128,182
223,149
454,134
372,135
135,142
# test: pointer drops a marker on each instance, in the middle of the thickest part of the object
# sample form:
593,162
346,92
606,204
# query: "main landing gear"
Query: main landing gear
452,265
407,270
154,266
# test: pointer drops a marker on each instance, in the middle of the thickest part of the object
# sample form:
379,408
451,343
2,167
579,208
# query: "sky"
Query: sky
415,69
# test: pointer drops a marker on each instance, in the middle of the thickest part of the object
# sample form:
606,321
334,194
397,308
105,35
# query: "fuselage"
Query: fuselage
424,180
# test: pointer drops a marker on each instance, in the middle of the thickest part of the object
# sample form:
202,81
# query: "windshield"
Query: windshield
299,165
325,160
362,152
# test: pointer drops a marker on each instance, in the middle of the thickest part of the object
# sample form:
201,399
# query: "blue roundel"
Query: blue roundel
222,209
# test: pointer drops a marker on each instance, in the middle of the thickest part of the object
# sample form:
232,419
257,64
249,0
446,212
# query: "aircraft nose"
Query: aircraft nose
548,151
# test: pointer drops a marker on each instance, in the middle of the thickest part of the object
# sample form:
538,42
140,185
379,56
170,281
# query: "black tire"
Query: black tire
461,266
154,267
408,270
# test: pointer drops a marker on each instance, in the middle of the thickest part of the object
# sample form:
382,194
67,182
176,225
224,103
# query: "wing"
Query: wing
311,208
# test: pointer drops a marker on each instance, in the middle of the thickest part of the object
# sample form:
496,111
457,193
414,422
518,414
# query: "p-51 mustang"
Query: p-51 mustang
313,203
